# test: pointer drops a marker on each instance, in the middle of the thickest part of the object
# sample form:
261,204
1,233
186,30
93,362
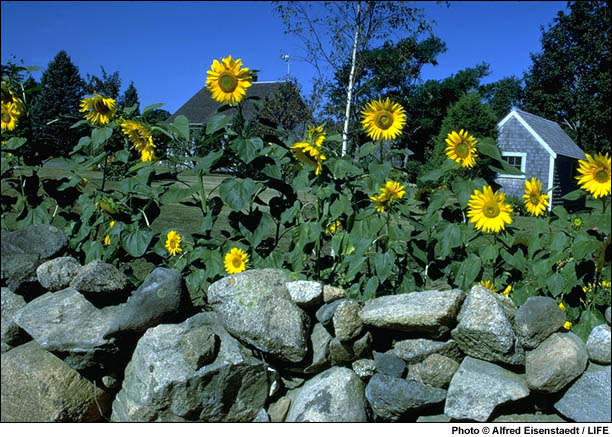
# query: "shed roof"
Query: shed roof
548,133
201,106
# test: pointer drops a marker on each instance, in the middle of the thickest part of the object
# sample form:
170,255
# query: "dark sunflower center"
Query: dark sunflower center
237,262
6,117
384,120
602,176
100,107
534,198
228,82
462,150
173,244
491,210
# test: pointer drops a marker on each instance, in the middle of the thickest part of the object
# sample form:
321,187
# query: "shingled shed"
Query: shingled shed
539,148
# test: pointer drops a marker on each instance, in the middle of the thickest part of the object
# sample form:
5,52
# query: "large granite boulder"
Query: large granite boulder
599,344
537,319
556,362
393,398
588,399
39,387
256,307
431,312
192,371
335,395
485,328
479,386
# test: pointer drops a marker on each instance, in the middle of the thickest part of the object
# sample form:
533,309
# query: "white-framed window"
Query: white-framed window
516,160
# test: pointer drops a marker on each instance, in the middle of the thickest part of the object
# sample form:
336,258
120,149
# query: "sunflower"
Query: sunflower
461,148
535,201
562,306
488,211
423,195
138,134
309,154
567,325
10,114
394,190
227,80
576,222
235,261
316,135
383,119
488,285
173,243
333,227
595,173
381,202
107,240
101,109
8,97
507,291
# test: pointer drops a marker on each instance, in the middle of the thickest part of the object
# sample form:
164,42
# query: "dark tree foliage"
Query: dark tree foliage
569,81
503,95
108,85
129,99
55,109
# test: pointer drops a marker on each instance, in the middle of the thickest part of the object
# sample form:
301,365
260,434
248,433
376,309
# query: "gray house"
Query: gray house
538,148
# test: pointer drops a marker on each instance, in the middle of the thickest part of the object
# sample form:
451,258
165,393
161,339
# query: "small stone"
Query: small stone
274,381
57,273
279,409
599,344
325,314
99,277
389,364
416,350
344,352
293,382
608,315
438,418
331,294
346,321
306,294
436,370
320,340
364,368
110,382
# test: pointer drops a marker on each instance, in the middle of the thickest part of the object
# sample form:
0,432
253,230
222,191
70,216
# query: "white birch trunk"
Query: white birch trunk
349,94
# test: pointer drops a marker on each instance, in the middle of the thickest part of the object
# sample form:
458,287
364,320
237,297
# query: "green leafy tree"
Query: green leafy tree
503,95
55,109
130,98
569,81
108,85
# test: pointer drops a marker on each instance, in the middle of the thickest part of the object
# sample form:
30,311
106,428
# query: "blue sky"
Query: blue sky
165,48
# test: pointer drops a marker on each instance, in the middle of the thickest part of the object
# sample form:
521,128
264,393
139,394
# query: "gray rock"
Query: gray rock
608,315
293,382
159,299
416,350
556,362
46,241
325,314
389,364
279,409
436,370
345,352
599,344
262,417
320,340
160,383
99,277
12,333
255,306
67,324
57,273
479,386
331,294
485,328
430,312
588,399
39,387
335,395
529,418
364,368
438,418
392,398
306,294
536,319
346,322
110,382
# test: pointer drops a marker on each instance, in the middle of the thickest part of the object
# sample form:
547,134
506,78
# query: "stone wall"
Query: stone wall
78,345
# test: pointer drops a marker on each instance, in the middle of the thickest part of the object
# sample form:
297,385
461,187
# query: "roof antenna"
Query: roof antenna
287,59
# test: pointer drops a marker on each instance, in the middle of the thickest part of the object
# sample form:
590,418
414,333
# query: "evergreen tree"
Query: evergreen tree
108,85
569,81
503,95
130,98
55,109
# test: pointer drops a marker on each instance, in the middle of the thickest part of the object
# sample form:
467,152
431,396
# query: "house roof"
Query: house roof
201,106
548,133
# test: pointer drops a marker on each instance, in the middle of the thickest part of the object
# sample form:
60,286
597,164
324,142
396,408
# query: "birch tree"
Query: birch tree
333,32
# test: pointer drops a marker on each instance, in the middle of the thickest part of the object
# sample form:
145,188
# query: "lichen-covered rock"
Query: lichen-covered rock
159,299
479,386
485,328
364,368
416,350
556,362
67,324
306,294
331,294
588,399
192,371
39,387
392,398
346,321
12,333
431,312
608,315
599,344
537,319
335,395
57,273
435,370
256,307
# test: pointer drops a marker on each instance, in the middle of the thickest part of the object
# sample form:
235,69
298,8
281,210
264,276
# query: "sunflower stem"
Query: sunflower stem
381,151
